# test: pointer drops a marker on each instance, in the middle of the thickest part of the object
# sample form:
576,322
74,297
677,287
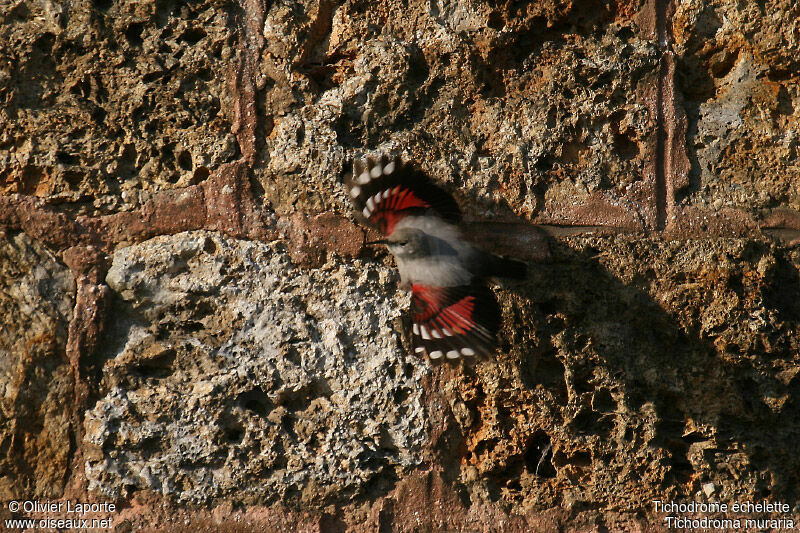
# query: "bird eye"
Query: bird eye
402,243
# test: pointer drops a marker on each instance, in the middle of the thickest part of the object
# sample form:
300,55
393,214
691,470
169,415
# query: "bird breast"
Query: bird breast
448,258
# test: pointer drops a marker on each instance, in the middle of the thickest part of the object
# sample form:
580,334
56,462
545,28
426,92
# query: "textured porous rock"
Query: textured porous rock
232,373
37,295
107,101
639,369
739,74
654,357
478,93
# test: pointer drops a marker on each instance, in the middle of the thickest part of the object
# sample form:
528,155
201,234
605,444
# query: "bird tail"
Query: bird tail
502,267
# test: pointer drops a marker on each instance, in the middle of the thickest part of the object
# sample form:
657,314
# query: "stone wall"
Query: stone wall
193,329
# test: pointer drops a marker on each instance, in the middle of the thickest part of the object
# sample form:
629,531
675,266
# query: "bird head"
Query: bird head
407,243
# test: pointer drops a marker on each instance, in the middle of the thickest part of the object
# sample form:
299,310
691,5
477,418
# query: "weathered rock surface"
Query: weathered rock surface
739,78
233,373
219,335
36,298
106,101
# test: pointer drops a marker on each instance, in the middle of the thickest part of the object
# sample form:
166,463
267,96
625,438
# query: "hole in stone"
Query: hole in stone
484,446
133,34
678,461
157,367
496,21
299,400
73,178
82,88
584,420
205,74
735,284
99,115
153,76
580,459
200,175
538,456
292,355
723,63
400,395
785,102
185,160
625,33
150,445
21,11
209,246
573,152
287,424
603,402
127,158
625,147
102,5
66,159
582,377
255,400
234,433
192,35
31,177
546,163
577,459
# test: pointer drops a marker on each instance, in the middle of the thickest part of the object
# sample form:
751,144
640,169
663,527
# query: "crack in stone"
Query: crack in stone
671,159
666,71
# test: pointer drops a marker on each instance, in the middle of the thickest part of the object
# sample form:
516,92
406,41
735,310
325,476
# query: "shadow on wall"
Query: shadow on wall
608,397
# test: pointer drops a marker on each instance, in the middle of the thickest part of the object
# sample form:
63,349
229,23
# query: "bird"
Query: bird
454,314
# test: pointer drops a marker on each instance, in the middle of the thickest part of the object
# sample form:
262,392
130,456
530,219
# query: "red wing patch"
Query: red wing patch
386,190
385,208
453,322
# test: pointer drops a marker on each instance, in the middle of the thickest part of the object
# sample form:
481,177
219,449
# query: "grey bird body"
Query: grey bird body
435,253
454,314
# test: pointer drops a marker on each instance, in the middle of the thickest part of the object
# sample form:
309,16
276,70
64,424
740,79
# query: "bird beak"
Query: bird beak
371,243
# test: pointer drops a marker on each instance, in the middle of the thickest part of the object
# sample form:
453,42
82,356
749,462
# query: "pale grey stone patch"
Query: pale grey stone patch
237,373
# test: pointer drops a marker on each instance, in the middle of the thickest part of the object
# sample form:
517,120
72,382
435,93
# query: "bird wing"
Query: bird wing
454,322
386,190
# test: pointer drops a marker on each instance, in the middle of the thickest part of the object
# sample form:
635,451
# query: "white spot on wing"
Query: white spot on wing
467,351
415,328
364,178
425,334
378,197
367,213
419,349
376,171
389,168
370,204
355,191
436,334
447,332
452,354
436,354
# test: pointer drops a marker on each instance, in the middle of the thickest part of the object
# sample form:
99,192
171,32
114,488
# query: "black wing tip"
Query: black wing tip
478,356
477,344
454,349
354,166
402,172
